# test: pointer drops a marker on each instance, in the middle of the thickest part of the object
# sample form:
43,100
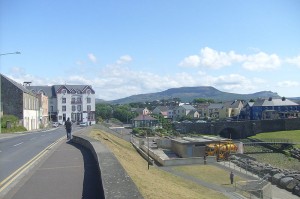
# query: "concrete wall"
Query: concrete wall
240,129
114,180
164,143
176,161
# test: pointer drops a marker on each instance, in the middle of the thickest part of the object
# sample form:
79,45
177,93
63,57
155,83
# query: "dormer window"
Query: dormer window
63,91
88,91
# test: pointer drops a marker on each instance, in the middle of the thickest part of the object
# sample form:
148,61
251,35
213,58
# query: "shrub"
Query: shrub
13,120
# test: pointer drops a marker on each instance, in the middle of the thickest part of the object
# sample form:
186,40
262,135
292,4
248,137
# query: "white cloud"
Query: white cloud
117,80
294,61
213,59
232,83
124,59
92,58
193,61
288,84
261,62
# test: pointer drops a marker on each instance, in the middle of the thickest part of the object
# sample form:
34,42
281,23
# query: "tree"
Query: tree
104,111
202,101
123,113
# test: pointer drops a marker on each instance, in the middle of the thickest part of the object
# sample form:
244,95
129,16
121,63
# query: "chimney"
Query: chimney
25,84
283,99
270,98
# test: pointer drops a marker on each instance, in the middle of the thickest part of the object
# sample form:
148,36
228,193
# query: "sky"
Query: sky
128,47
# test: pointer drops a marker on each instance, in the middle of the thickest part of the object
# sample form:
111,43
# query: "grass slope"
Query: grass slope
152,183
277,159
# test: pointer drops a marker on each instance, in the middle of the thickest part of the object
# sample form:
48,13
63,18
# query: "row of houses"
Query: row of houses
261,109
37,106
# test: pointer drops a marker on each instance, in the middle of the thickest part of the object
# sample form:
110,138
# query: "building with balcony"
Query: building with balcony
76,102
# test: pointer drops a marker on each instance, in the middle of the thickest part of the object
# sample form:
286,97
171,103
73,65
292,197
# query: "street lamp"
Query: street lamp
17,52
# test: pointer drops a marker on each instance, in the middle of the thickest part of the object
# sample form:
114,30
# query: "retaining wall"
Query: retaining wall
115,181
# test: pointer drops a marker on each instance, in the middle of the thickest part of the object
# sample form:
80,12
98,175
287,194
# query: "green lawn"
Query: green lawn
208,173
293,135
277,159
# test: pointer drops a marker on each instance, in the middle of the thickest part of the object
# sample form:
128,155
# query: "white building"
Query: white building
76,102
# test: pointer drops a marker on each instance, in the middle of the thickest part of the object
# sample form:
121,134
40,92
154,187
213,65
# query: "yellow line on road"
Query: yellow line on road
7,181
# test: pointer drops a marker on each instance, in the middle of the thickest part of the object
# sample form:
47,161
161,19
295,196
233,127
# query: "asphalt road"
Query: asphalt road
15,151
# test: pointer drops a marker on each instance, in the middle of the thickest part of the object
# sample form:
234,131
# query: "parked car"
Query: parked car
55,124
83,124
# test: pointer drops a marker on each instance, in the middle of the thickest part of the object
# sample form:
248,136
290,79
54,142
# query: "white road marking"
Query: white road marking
19,144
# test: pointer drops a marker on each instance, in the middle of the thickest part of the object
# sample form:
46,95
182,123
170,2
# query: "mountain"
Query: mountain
98,101
188,94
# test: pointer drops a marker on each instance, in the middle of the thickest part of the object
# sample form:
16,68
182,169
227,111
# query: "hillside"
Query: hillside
187,94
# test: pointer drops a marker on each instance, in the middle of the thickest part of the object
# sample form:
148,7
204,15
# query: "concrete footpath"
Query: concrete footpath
69,171
277,193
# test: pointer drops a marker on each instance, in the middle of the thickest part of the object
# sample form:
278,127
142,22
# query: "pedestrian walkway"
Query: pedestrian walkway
70,172
277,193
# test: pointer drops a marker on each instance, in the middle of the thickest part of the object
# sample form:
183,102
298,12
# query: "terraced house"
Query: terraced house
18,101
74,101
274,109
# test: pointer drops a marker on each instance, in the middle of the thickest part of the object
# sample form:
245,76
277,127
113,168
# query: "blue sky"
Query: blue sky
130,47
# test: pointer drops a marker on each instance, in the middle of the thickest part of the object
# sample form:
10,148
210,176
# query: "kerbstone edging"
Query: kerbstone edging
115,181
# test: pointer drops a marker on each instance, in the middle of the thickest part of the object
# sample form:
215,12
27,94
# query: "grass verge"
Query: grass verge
209,173
152,183
293,135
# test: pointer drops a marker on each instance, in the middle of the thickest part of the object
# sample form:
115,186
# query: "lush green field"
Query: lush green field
278,159
291,135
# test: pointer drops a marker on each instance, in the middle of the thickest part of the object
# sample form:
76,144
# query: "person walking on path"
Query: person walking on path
68,126
231,177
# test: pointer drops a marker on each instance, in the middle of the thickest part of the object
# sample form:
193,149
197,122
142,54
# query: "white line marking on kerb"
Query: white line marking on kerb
19,144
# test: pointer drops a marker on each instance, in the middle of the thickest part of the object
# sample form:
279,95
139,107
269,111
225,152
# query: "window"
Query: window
79,107
73,100
64,108
88,107
73,108
88,91
88,100
64,91
63,100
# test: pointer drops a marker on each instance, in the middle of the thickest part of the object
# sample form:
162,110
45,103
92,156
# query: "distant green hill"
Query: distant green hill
188,94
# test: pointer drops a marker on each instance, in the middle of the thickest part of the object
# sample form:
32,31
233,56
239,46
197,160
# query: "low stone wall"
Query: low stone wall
115,181
283,178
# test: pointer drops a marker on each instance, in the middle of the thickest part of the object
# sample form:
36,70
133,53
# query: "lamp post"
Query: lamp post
17,52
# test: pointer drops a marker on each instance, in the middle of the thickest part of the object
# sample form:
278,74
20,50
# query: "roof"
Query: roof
18,85
233,104
275,102
50,91
187,107
215,106
162,108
